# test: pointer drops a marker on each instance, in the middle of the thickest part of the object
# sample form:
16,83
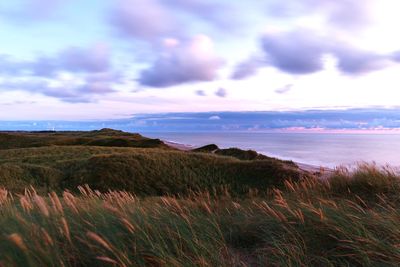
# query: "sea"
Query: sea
319,149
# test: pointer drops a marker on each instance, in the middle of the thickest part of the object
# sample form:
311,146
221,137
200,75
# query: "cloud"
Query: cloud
40,9
354,61
9,66
28,11
73,75
42,66
285,89
99,83
191,61
200,93
143,19
214,118
341,119
342,14
68,89
74,59
395,56
302,52
18,102
95,59
221,92
41,86
296,52
246,68
153,20
209,12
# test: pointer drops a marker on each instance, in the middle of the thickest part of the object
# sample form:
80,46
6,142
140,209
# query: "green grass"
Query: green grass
104,137
54,161
141,171
306,223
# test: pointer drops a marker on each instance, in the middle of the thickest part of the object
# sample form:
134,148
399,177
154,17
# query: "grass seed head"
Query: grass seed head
18,241
95,237
41,204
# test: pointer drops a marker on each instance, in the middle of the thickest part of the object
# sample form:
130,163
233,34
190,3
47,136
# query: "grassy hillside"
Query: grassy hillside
236,153
104,137
65,160
351,221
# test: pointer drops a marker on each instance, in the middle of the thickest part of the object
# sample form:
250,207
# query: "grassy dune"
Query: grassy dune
104,137
50,163
346,222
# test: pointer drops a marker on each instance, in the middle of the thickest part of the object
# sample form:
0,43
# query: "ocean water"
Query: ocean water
322,149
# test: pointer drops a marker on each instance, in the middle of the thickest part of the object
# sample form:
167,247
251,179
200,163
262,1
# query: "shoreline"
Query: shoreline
180,146
322,171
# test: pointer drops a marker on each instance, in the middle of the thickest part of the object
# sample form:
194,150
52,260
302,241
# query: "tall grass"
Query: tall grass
111,229
343,222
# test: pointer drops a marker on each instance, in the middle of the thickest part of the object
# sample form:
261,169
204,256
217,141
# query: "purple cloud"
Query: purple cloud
93,60
200,93
395,56
221,92
285,89
89,74
247,68
43,66
144,19
43,87
192,61
29,11
75,59
343,14
99,83
9,66
297,52
153,20
209,12
90,69
43,8
354,61
93,84
302,51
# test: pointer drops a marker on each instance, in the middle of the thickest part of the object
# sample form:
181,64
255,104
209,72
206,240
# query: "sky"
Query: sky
112,59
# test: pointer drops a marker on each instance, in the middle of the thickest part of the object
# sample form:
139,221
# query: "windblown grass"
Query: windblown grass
143,171
343,222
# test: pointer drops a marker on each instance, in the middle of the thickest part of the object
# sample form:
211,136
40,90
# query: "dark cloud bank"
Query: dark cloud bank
361,119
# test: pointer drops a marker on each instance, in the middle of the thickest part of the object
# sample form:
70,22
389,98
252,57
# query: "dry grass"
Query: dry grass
306,223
